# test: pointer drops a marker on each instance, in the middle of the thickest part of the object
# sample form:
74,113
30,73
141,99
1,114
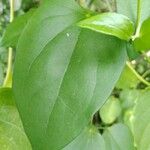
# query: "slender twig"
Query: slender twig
138,20
137,74
10,51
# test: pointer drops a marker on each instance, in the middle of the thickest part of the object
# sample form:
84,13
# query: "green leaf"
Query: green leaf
129,9
128,98
12,136
89,139
111,24
64,75
118,137
15,29
114,138
142,121
110,110
142,42
127,79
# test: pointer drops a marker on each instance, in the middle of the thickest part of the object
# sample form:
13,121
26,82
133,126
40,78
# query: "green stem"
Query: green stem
138,24
7,80
137,75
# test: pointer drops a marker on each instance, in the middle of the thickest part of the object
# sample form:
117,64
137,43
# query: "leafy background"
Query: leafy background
125,100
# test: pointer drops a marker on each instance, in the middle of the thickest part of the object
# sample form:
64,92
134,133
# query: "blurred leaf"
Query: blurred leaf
17,4
12,136
142,121
127,79
89,139
15,29
128,98
64,70
118,137
110,110
111,24
129,9
142,42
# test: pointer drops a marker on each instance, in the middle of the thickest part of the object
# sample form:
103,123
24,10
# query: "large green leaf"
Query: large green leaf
14,30
142,42
12,136
62,74
142,121
129,8
111,24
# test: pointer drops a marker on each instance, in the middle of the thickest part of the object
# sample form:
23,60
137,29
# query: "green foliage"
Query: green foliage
127,79
111,24
70,83
14,30
142,121
142,41
12,136
128,8
60,78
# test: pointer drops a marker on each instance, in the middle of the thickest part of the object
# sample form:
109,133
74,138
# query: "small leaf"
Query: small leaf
15,29
142,121
12,136
110,110
142,42
111,24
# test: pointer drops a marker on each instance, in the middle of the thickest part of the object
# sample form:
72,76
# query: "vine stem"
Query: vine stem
10,52
137,75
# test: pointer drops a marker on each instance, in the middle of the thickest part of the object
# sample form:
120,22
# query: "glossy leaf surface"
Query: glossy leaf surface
111,24
118,137
127,79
